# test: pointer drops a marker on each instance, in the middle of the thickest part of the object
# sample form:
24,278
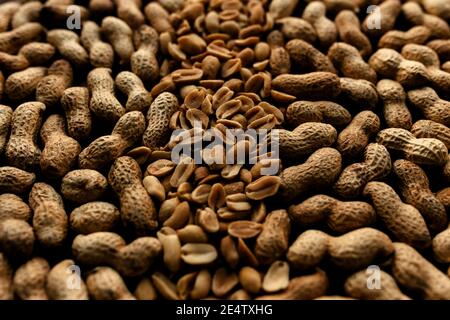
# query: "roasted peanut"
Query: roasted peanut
13,207
403,220
31,54
320,170
28,12
315,14
83,185
119,35
427,151
30,279
317,111
109,249
396,113
305,139
75,103
101,54
129,83
22,84
16,239
104,150
358,92
158,118
431,129
12,41
64,283
349,30
130,12
397,39
6,114
158,17
104,283
340,216
314,85
60,152
387,13
415,15
432,107
349,62
444,197
355,137
49,217
356,286
415,190
143,62
68,44
103,103
307,58
6,277
353,179
94,217
351,251
414,272
22,150
50,89
439,8
137,209
7,11
15,180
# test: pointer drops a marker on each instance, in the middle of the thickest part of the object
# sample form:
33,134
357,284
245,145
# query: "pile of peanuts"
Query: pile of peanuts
93,206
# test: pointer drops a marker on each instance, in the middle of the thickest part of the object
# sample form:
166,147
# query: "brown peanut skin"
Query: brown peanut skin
15,180
103,102
415,15
119,35
314,85
426,151
414,272
403,220
297,28
102,151
16,239
158,117
315,14
304,287
75,103
431,129
415,190
305,139
12,41
28,12
354,250
13,207
320,170
317,111
358,92
348,27
139,99
109,249
94,217
396,39
50,219
282,8
144,62
388,63
6,277
51,88
349,62
356,286
101,54
340,216
68,44
58,279
376,165
137,209
61,151
30,279
23,84
444,197
305,56
432,107
441,47
83,185
104,283
355,137
31,54
396,113
6,114
273,241
22,150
